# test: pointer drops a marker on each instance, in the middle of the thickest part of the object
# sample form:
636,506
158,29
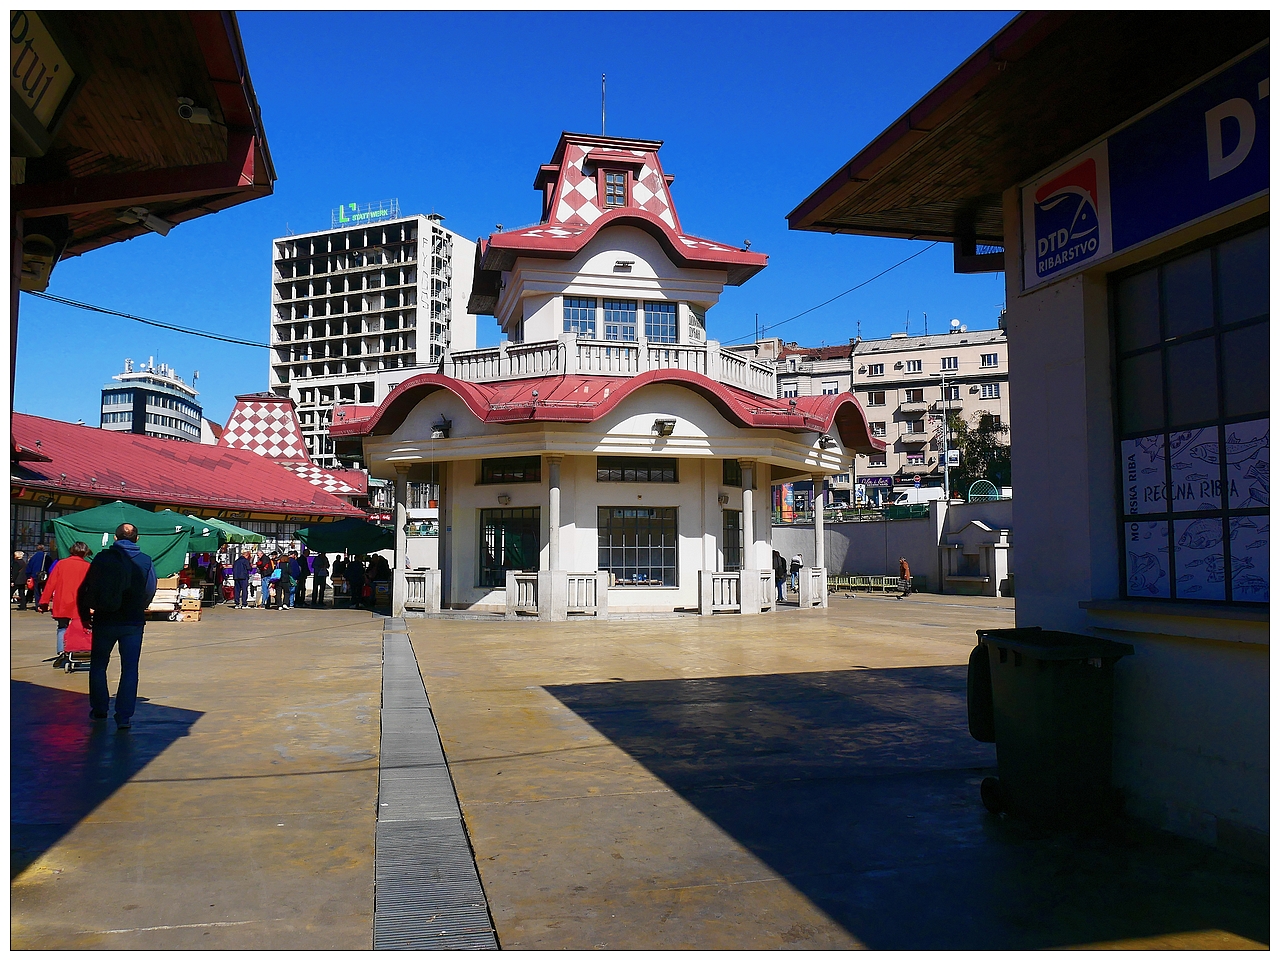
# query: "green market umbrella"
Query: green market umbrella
203,538
351,534
234,534
157,538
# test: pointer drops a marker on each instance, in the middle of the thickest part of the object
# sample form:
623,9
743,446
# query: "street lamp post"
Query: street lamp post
946,437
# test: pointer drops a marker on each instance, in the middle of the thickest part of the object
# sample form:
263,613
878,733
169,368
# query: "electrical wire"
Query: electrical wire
837,296
151,323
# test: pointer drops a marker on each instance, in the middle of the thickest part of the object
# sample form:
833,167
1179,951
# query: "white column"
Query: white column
553,512
749,579
398,585
819,533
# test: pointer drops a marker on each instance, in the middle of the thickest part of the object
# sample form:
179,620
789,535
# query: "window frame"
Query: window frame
605,322
510,470
575,325
603,175
989,391
875,370
526,514
871,398
915,367
667,312
949,363
994,360
605,546
731,472
1223,422
623,463
731,540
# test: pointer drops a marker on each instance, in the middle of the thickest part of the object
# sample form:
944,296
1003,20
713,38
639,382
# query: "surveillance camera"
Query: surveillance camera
188,111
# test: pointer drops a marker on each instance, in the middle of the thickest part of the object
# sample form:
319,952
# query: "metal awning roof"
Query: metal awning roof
1043,86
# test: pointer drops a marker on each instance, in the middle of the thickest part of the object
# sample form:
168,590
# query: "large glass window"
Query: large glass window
660,321
1193,413
638,545
732,540
731,473
509,540
511,470
580,316
643,470
619,320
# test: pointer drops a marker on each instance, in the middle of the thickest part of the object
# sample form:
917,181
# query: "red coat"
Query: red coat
63,583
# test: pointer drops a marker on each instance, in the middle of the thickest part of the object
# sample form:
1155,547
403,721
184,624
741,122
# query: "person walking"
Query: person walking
37,571
904,577
266,573
61,588
241,571
17,576
319,577
112,602
780,576
304,571
797,562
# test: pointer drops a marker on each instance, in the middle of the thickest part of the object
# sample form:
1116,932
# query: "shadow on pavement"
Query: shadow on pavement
860,787
61,766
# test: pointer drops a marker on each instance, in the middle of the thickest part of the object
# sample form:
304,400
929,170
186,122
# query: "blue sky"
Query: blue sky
454,112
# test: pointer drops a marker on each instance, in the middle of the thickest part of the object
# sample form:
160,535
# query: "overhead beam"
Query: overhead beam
140,188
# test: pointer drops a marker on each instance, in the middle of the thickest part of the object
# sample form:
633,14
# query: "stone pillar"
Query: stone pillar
398,586
749,579
553,512
819,536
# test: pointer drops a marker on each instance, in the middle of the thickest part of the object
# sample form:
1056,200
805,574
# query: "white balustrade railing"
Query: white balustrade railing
581,596
522,593
569,354
415,591
768,591
720,592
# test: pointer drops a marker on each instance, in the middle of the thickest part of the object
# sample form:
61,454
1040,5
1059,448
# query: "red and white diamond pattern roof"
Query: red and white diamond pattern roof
322,479
267,426
576,200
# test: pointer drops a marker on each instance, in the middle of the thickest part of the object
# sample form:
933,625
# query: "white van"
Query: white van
920,495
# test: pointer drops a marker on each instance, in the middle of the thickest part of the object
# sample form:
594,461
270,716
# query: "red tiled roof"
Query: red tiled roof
583,399
97,462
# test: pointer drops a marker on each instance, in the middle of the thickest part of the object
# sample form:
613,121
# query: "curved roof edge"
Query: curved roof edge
520,405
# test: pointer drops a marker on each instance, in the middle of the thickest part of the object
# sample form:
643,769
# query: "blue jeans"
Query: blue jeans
242,592
105,637
779,581
292,589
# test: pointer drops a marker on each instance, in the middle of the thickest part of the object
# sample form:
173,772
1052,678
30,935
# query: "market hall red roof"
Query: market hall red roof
113,465
583,399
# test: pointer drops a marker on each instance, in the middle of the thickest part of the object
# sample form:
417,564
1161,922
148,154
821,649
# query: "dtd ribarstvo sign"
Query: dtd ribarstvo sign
1204,150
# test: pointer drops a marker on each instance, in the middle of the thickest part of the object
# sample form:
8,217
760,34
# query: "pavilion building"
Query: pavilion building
607,455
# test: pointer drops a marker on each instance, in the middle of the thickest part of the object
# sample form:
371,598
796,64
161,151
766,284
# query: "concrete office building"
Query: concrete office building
900,381
355,308
152,400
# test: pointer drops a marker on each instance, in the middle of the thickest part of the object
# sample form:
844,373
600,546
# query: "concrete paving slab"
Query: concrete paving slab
804,779
237,813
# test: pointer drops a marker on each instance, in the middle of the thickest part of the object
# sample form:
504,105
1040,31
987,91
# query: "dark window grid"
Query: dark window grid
615,189
731,473
660,322
508,536
637,470
639,545
732,530
1223,514
511,470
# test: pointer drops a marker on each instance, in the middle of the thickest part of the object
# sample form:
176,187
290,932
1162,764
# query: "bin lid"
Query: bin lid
1053,645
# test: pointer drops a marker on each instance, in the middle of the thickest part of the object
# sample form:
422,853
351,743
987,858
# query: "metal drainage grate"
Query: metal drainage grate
427,893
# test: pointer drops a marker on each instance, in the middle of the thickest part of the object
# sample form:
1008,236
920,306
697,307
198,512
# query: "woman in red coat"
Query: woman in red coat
61,588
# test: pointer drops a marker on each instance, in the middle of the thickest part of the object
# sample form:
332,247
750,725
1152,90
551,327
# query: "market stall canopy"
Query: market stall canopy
233,534
157,538
352,535
203,537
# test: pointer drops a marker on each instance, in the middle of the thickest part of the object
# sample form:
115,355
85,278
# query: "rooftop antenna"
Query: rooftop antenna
908,327
926,325
859,325
602,105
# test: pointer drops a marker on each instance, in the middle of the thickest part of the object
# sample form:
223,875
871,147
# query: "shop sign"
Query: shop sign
39,73
876,481
1201,152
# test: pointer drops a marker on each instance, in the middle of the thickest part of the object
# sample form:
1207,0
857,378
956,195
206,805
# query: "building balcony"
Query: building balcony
913,406
571,355
914,440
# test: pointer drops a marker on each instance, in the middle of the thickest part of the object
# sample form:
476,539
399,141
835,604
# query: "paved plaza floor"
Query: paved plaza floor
798,780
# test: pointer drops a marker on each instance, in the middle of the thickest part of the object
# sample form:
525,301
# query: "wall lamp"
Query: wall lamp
826,442
504,499
664,426
440,428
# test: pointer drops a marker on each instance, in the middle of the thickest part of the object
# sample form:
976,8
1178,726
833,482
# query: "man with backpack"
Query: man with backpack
37,573
113,603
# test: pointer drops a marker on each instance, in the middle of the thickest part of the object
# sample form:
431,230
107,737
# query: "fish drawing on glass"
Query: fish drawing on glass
1152,446
1238,451
1197,477
1259,493
1181,466
1201,535
1214,572
1181,439
1250,584
1144,573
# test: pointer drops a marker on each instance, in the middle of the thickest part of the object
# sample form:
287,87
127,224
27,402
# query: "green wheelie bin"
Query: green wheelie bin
1049,712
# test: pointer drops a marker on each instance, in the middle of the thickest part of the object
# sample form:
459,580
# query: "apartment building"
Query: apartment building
360,307
152,400
905,384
